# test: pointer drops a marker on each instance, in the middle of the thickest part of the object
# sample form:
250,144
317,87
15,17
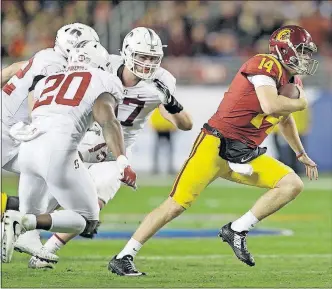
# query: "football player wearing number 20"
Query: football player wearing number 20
228,146
64,106
20,78
147,86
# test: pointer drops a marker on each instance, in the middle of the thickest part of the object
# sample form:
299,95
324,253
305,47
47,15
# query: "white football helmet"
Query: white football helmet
142,52
89,53
68,35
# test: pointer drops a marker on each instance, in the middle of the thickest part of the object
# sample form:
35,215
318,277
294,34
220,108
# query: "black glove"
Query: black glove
172,105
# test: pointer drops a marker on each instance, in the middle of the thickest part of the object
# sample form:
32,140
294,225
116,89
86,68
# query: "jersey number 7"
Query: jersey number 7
138,106
65,81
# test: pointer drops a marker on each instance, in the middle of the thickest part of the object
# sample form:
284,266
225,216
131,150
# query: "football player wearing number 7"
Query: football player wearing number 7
64,106
228,146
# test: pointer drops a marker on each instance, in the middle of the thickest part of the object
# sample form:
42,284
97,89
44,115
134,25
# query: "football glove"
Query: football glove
127,174
170,102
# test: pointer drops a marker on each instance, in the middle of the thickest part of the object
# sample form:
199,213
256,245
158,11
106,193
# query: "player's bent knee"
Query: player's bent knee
297,185
105,176
292,183
172,208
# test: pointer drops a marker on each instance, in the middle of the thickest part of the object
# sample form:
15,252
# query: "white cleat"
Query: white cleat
35,263
43,259
29,243
12,221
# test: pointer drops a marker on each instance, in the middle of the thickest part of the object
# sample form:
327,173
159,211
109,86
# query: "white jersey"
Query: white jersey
138,103
64,101
14,98
15,92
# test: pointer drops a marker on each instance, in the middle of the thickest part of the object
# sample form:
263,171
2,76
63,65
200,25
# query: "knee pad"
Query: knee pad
90,229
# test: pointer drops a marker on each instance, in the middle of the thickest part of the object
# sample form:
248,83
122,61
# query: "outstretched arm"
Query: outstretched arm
289,130
103,113
181,120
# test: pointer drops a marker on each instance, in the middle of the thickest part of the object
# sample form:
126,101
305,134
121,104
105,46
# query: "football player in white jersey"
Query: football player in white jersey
147,86
20,78
65,105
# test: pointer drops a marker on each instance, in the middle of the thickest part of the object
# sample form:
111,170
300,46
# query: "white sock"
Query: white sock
29,222
131,248
54,244
245,223
67,221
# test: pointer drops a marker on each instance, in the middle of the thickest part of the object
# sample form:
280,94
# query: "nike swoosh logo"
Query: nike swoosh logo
243,160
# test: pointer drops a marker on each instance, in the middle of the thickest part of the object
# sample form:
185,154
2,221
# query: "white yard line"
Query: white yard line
206,257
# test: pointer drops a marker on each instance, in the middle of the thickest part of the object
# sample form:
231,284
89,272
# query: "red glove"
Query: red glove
129,177
127,173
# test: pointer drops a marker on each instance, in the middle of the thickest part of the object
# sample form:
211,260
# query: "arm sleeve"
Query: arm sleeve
261,80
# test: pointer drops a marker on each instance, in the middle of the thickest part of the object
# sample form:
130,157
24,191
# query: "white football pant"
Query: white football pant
50,165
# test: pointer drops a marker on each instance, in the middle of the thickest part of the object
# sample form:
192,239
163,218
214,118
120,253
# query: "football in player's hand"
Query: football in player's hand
289,90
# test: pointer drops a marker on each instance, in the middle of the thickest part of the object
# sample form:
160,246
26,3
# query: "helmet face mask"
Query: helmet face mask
293,46
142,52
143,65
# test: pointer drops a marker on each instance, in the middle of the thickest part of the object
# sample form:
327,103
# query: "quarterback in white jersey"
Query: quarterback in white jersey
147,86
66,103
20,78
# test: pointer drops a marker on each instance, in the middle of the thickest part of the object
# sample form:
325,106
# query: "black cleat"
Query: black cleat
238,243
124,266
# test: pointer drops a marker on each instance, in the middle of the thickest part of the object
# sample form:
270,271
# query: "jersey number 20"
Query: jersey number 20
46,98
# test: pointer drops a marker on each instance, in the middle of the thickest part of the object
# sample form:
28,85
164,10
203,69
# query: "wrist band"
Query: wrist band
300,154
122,162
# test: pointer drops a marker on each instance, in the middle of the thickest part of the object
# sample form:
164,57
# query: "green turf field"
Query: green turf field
303,259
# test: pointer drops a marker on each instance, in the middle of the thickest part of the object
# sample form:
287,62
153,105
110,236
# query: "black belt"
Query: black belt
213,130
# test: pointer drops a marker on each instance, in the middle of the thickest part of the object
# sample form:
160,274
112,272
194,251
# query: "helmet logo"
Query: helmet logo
283,35
76,33
81,58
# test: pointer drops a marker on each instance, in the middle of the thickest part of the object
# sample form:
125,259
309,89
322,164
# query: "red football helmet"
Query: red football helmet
293,46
